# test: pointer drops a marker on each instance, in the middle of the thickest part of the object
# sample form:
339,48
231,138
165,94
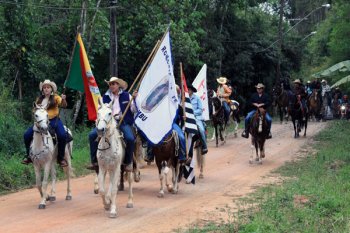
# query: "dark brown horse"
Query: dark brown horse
166,155
219,121
314,103
280,100
299,115
259,132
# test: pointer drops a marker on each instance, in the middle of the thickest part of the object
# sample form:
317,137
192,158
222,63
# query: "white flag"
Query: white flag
200,83
157,100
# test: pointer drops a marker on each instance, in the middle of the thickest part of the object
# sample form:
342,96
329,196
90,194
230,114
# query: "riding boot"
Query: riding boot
269,135
26,161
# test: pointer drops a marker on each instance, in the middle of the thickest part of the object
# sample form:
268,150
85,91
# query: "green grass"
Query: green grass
321,179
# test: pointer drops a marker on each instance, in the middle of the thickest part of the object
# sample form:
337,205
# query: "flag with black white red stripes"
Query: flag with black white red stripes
190,122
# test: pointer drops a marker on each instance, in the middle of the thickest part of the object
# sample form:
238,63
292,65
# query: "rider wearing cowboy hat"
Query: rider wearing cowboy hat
300,92
258,100
224,93
198,113
51,102
117,91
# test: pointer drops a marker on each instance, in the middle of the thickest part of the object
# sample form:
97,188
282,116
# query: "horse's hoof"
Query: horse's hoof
41,206
130,205
170,188
107,207
112,215
96,191
68,198
160,195
137,176
174,191
120,187
51,198
201,176
250,161
256,159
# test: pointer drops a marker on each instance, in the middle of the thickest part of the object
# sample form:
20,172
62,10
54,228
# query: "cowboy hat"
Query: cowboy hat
222,80
123,85
308,81
47,81
192,88
323,81
297,81
260,85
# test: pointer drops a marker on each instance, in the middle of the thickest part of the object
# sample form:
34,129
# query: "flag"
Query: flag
200,83
80,78
157,101
190,122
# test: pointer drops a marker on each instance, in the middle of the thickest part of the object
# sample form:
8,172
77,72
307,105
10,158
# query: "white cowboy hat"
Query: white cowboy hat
123,85
323,81
260,85
297,81
222,80
47,81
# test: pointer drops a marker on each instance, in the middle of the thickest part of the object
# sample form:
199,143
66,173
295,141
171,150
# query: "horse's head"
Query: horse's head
41,118
104,117
217,103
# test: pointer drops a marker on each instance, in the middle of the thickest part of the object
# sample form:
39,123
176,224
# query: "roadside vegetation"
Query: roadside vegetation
313,197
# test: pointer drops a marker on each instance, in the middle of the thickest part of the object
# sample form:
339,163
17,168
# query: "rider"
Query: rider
258,100
51,102
224,92
308,88
117,91
299,92
326,96
198,113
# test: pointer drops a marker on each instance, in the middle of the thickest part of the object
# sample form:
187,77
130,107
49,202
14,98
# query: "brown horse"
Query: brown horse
314,102
280,100
259,132
166,155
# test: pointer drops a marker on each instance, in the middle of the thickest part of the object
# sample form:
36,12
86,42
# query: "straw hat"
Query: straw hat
260,85
123,85
222,80
297,81
47,81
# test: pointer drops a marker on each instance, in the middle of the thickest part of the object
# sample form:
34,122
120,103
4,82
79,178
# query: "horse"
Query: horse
43,153
299,115
280,100
234,106
259,132
110,154
336,106
314,103
219,120
166,155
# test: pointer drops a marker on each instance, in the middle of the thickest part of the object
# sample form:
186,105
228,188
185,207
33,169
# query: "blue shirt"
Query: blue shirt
197,106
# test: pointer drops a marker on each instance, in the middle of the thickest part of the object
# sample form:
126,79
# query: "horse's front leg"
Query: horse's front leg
112,192
101,184
130,203
42,204
68,171
38,179
96,183
52,196
161,179
121,180
216,135
176,171
252,151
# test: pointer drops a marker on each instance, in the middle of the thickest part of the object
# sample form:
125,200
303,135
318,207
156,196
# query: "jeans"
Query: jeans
249,118
128,137
56,124
201,129
226,109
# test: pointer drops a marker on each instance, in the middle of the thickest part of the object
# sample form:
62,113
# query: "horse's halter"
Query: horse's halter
38,122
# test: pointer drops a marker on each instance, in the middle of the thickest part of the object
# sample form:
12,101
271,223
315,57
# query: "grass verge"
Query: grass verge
314,196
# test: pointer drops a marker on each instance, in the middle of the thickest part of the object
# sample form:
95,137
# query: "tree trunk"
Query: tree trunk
280,42
113,39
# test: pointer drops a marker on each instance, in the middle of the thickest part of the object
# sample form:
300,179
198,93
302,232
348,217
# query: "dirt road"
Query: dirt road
228,175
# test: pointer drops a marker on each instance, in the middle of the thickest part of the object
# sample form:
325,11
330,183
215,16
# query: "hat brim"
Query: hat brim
259,86
52,84
122,84
193,89
220,81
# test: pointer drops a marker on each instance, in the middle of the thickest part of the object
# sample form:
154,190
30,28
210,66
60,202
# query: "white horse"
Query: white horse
110,154
44,155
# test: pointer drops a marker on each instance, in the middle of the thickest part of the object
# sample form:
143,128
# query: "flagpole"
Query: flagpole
183,107
143,75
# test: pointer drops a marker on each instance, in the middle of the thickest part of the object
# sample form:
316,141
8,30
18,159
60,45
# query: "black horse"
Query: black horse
299,115
280,100
219,120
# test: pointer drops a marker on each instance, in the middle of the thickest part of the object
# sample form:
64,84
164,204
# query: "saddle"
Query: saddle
52,131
